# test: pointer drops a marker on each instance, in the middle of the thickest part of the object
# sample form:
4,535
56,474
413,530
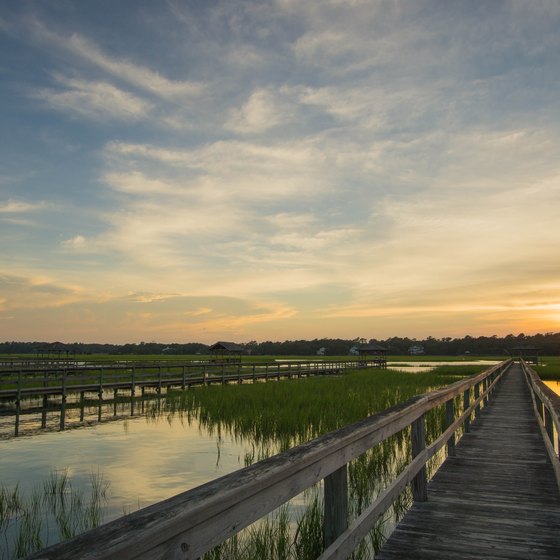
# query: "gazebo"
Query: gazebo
528,353
373,352
227,351
53,350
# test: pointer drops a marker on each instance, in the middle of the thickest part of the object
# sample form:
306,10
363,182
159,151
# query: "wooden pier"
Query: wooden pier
497,498
109,382
18,383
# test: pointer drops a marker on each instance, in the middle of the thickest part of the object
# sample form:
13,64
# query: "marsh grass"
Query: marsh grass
276,416
549,368
53,511
268,417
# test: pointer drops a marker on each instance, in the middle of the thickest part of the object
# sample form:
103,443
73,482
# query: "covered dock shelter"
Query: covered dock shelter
528,353
373,352
227,351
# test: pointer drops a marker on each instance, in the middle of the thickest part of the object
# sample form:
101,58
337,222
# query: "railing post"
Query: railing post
539,405
449,419
466,404
63,402
420,481
335,504
548,425
476,395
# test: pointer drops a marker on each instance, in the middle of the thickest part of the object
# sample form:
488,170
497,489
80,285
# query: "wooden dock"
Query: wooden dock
497,498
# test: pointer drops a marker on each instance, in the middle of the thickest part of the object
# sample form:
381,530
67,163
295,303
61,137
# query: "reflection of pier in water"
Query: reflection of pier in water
54,412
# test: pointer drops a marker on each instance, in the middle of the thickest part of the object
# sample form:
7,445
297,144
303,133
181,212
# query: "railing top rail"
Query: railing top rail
232,502
111,366
549,398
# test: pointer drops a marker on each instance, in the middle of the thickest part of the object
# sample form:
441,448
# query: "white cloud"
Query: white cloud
94,100
135,74
21,207
77,242
264,110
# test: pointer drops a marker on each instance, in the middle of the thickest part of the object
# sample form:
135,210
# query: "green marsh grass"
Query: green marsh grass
278,415
52,512
269,417
549,368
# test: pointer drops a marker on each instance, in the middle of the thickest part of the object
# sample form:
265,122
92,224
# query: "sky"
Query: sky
194,171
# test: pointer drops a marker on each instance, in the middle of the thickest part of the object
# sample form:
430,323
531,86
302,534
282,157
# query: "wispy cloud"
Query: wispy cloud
93,100
360,167
134,74
21,207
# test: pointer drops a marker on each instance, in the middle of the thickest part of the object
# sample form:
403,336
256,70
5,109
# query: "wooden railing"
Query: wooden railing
547,410
19,383
192,523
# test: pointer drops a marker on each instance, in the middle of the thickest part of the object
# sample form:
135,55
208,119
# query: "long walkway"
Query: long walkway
496,499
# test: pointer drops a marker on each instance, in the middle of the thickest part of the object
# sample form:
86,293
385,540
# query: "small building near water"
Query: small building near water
373,352
528,353
227,351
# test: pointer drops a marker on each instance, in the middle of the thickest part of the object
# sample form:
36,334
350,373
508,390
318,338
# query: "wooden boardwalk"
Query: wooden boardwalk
496,499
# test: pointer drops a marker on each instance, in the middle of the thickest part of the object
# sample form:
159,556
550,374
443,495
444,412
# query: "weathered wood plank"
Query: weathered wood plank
496,499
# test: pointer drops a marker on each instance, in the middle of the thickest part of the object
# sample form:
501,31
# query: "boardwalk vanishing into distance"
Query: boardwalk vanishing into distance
497,498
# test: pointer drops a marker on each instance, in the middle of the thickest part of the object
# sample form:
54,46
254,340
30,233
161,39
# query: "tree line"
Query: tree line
548,343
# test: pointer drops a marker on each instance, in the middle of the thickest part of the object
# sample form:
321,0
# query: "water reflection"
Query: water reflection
554,385
419,366
143,461
48,413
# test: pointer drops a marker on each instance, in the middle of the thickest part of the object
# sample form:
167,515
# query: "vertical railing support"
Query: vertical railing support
449,419
548,425
476,395
82,397
336,505
63,403
466,404
420,481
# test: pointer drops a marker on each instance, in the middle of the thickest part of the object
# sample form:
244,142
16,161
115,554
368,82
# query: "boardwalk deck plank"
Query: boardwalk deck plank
496,499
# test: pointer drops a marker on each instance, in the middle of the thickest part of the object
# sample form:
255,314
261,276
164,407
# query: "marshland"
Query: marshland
57,484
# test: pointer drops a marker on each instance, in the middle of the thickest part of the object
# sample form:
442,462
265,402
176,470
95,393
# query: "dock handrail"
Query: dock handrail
546,404
193,522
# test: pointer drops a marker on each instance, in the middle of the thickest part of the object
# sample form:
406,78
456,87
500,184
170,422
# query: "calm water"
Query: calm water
554,385
144,460
416,367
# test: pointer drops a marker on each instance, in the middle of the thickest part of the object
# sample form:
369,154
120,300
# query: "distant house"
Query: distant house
227,351
322,351
416,350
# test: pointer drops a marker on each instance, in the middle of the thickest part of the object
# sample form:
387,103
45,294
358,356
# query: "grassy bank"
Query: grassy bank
549,368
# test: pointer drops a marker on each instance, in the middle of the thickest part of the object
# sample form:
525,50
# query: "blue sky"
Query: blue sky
199,171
